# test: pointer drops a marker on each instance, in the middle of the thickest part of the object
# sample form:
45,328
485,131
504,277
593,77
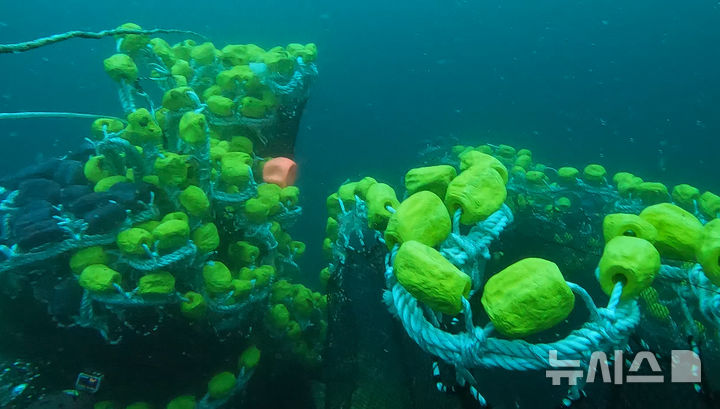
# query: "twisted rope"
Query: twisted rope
242,379
474,349
607,328
707,293
256,295
120,149
87,319
288,216
125,95
672,273
56,38
262,233
131,299
243,196
155,263
24,259
34,115
469,253
302,72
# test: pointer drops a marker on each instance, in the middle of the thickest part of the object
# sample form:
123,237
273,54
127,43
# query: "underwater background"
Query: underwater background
633,86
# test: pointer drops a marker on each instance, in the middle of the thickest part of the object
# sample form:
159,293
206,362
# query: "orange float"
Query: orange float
280,171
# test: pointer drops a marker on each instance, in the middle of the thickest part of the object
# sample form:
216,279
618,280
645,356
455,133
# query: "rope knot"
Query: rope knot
471,346
479,334
606,315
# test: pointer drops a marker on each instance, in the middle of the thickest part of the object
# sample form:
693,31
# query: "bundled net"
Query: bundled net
176,214
654,252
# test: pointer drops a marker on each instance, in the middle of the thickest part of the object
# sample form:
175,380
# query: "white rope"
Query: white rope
155,262
35,115
707,293
474,349
608,328
241,381
672,273
585,297
615,296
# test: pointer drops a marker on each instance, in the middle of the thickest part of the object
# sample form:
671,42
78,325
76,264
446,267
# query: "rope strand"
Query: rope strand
56,38
33,115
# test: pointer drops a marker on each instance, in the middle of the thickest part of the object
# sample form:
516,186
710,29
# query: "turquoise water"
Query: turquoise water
631,86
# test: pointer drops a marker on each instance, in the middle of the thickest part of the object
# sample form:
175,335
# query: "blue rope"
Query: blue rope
606,329
615,296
